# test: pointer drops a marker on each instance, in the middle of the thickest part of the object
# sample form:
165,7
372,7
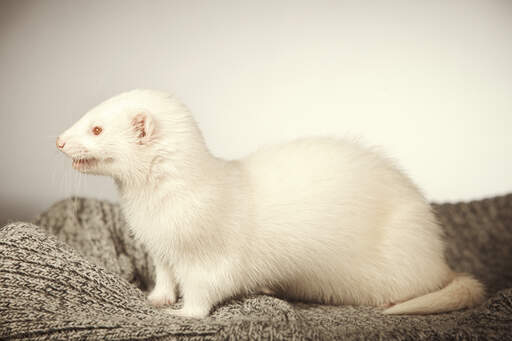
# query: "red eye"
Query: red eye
97,130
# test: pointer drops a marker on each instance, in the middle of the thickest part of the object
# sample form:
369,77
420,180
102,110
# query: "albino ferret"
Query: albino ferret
317,219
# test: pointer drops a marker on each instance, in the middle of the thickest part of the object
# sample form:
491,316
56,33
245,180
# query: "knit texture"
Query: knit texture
77,273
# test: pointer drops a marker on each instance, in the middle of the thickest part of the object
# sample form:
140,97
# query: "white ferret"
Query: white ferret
316,220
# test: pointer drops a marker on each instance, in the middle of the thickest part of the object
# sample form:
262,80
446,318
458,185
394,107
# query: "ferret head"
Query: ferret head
126,135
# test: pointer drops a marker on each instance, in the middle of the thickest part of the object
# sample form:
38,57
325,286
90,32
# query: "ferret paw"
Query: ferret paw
190,312
386,305
158,298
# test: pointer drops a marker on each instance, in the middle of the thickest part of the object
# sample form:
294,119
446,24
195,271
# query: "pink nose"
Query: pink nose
60,144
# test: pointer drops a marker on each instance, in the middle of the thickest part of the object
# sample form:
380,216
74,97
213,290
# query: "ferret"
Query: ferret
322,220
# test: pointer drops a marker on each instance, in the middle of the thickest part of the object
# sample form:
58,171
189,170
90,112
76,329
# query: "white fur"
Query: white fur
318,219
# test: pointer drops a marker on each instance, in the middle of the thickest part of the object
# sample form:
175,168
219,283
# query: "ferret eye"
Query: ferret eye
97,130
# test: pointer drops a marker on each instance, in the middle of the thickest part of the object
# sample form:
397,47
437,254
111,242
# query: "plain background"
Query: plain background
429,81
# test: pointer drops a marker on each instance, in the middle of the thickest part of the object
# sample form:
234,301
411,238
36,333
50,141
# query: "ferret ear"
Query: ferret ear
143,127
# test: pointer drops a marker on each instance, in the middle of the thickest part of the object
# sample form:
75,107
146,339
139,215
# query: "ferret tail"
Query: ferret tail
462,292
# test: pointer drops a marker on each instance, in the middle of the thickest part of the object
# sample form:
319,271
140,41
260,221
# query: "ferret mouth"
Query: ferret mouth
83,164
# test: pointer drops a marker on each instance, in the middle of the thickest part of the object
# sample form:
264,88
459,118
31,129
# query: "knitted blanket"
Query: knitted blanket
77,273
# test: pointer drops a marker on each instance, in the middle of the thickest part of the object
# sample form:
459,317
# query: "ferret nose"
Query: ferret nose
60,144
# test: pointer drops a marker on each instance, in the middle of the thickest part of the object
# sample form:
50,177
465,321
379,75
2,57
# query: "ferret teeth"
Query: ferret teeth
83,162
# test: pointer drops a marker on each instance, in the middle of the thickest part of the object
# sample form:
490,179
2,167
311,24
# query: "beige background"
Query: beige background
430,81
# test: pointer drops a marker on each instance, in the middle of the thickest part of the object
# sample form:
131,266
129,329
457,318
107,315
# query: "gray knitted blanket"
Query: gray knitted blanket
77,273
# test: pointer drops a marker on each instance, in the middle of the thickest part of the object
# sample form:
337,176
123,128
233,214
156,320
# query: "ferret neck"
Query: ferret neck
173,168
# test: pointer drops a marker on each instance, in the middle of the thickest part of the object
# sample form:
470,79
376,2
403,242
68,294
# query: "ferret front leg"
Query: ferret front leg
202,287
164,292
197,301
